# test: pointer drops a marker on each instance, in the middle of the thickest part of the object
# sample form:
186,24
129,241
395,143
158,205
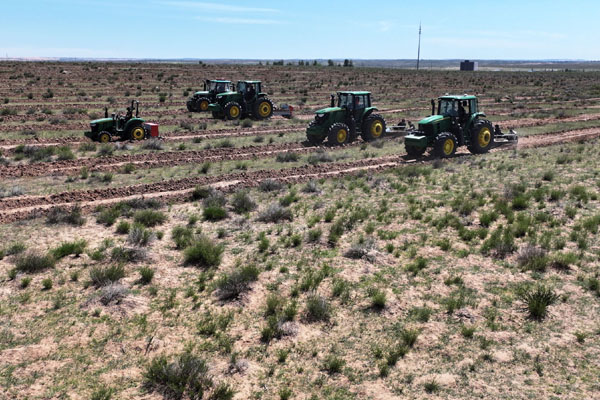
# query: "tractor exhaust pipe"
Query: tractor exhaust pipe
432,107
332,100
105,112
204,85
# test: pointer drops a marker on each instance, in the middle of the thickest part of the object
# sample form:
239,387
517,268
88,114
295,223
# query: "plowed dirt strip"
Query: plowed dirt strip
23,207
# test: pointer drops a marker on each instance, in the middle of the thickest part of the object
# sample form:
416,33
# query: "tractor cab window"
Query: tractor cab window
345,100
241,87
359,102
212,86
448,107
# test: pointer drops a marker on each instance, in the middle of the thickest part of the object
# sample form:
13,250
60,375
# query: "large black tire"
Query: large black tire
314,140
339,134
445,145
263,108
190,105
482,137
103,137
202,104
414,151
233,110
136,132
373,127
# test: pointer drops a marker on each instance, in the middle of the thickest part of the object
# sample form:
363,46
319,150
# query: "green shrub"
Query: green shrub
275,213
67,248
378,298
421,314
287,156
270,185
123,227
532,258
146,275
185,377
61,215
46,284
317,308
314,235
32,262
140,236
242,203
202,192
232,285
333,364
203,253
102,276
25,282
537,301
183,236
102,394
15,248
149,218
214,213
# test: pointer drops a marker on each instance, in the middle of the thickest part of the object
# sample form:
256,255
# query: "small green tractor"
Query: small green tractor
458,122
123,127
200,100
246,101
342,124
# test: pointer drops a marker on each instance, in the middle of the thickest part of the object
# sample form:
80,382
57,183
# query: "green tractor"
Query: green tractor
458,122
200,100
246,101
124,127
341,124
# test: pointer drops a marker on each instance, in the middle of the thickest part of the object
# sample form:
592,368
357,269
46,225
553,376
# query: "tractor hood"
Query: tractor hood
101,121
201,93
431,120
327,110
225,94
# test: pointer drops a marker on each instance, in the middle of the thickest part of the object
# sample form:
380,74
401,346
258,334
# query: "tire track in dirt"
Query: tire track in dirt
13,209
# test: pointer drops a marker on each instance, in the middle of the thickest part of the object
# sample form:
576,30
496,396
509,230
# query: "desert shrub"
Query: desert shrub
185,377
102,276
314,235
421,314
140,236
317,309
311,187
417,265
242,203
76,248
108,216
153,144
288,156
377,297
537,301
123,227
563,261
46,284
61,215
112,293
87,146
202,192
409,336
333,364
146,275
431,386
149,218
64,153
214,213
270,185
211,323
275,213
500,243
486,218
32,262
320,156
15,248
360,250
533,258
103,393
183,236
203,253
232,285
105,150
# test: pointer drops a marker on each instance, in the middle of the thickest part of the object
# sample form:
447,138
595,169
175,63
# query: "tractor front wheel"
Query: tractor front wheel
104,137
414,151
482,137
263,108
233,110
445,145
202,104
339,134
373,127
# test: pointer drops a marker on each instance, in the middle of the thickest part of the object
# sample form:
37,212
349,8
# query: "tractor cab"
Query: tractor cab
355,102
249,89
217,86
247,100
459,107
124,127
199,101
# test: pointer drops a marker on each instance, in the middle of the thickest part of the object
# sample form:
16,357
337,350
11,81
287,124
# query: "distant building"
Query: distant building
469,65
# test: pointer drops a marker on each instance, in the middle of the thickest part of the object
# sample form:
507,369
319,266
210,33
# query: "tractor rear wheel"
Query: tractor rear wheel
414,151
137,133
202,104
482,137
373,127
104,137
339,134
190,105
233,110
263,108
445,145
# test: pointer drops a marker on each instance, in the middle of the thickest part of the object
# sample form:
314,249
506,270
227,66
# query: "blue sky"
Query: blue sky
305,29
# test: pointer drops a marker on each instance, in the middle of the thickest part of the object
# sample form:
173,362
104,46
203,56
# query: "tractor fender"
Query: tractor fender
369,111
131,123
474,119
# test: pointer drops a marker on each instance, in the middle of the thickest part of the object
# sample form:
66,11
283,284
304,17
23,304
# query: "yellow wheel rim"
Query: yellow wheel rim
342,134
264,109
448,146
234,112
376,129
104,138
484,137
204,105
137,133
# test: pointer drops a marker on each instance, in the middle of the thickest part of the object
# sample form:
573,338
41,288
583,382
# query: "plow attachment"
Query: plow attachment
502,139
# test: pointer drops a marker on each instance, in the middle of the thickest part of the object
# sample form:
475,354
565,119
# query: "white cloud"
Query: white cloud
245,21
204,6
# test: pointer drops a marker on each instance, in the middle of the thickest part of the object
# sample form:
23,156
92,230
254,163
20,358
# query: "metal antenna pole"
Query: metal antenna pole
419,52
